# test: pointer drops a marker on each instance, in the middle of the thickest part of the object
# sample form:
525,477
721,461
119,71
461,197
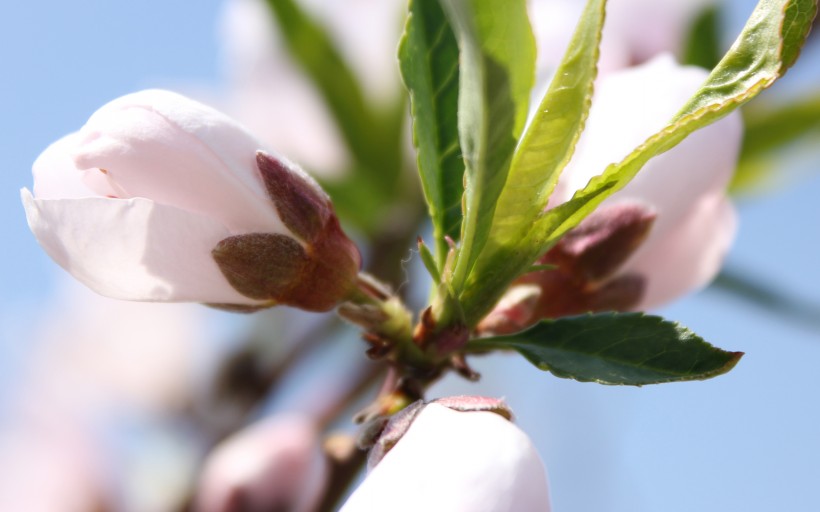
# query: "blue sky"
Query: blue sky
746,441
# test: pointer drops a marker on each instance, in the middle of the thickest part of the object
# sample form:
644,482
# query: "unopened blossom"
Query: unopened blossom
275,464
664,235
456,461
161,198
685,187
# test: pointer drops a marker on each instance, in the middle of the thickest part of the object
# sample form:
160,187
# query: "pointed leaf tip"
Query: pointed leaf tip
616,348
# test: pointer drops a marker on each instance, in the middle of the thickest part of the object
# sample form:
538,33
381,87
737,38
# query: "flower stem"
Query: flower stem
386,320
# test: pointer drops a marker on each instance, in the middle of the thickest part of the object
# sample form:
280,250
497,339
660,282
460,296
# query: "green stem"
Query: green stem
379,312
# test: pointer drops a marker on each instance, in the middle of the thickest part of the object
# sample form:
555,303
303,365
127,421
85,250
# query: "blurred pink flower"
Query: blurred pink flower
135,203
634,31
456,461
102,380
275,464
97,356
51,463
269,93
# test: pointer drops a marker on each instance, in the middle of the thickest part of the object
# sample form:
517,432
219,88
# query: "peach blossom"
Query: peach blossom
456,461
135,204
685,187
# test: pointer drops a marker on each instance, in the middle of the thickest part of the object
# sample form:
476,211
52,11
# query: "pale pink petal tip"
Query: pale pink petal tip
450,460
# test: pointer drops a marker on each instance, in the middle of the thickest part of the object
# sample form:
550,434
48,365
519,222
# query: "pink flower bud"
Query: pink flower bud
599,245
516,310
584,272
663,235
134,204
276,464
685,187
461,461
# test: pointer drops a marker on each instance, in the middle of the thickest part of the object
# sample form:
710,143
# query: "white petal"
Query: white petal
688,257
162,146
56,176
133,249
459,462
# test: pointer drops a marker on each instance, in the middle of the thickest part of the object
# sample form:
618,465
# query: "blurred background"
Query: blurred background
116,417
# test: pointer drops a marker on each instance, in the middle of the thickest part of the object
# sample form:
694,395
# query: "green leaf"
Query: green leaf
616,348
428,56
429,261
765,49
702,47
497,56
768,129
544,151
374,138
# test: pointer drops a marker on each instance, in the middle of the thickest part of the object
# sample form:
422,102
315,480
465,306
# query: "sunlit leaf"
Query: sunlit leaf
497,56
763,52
616,348
428,56
766,48
544,151
429,261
